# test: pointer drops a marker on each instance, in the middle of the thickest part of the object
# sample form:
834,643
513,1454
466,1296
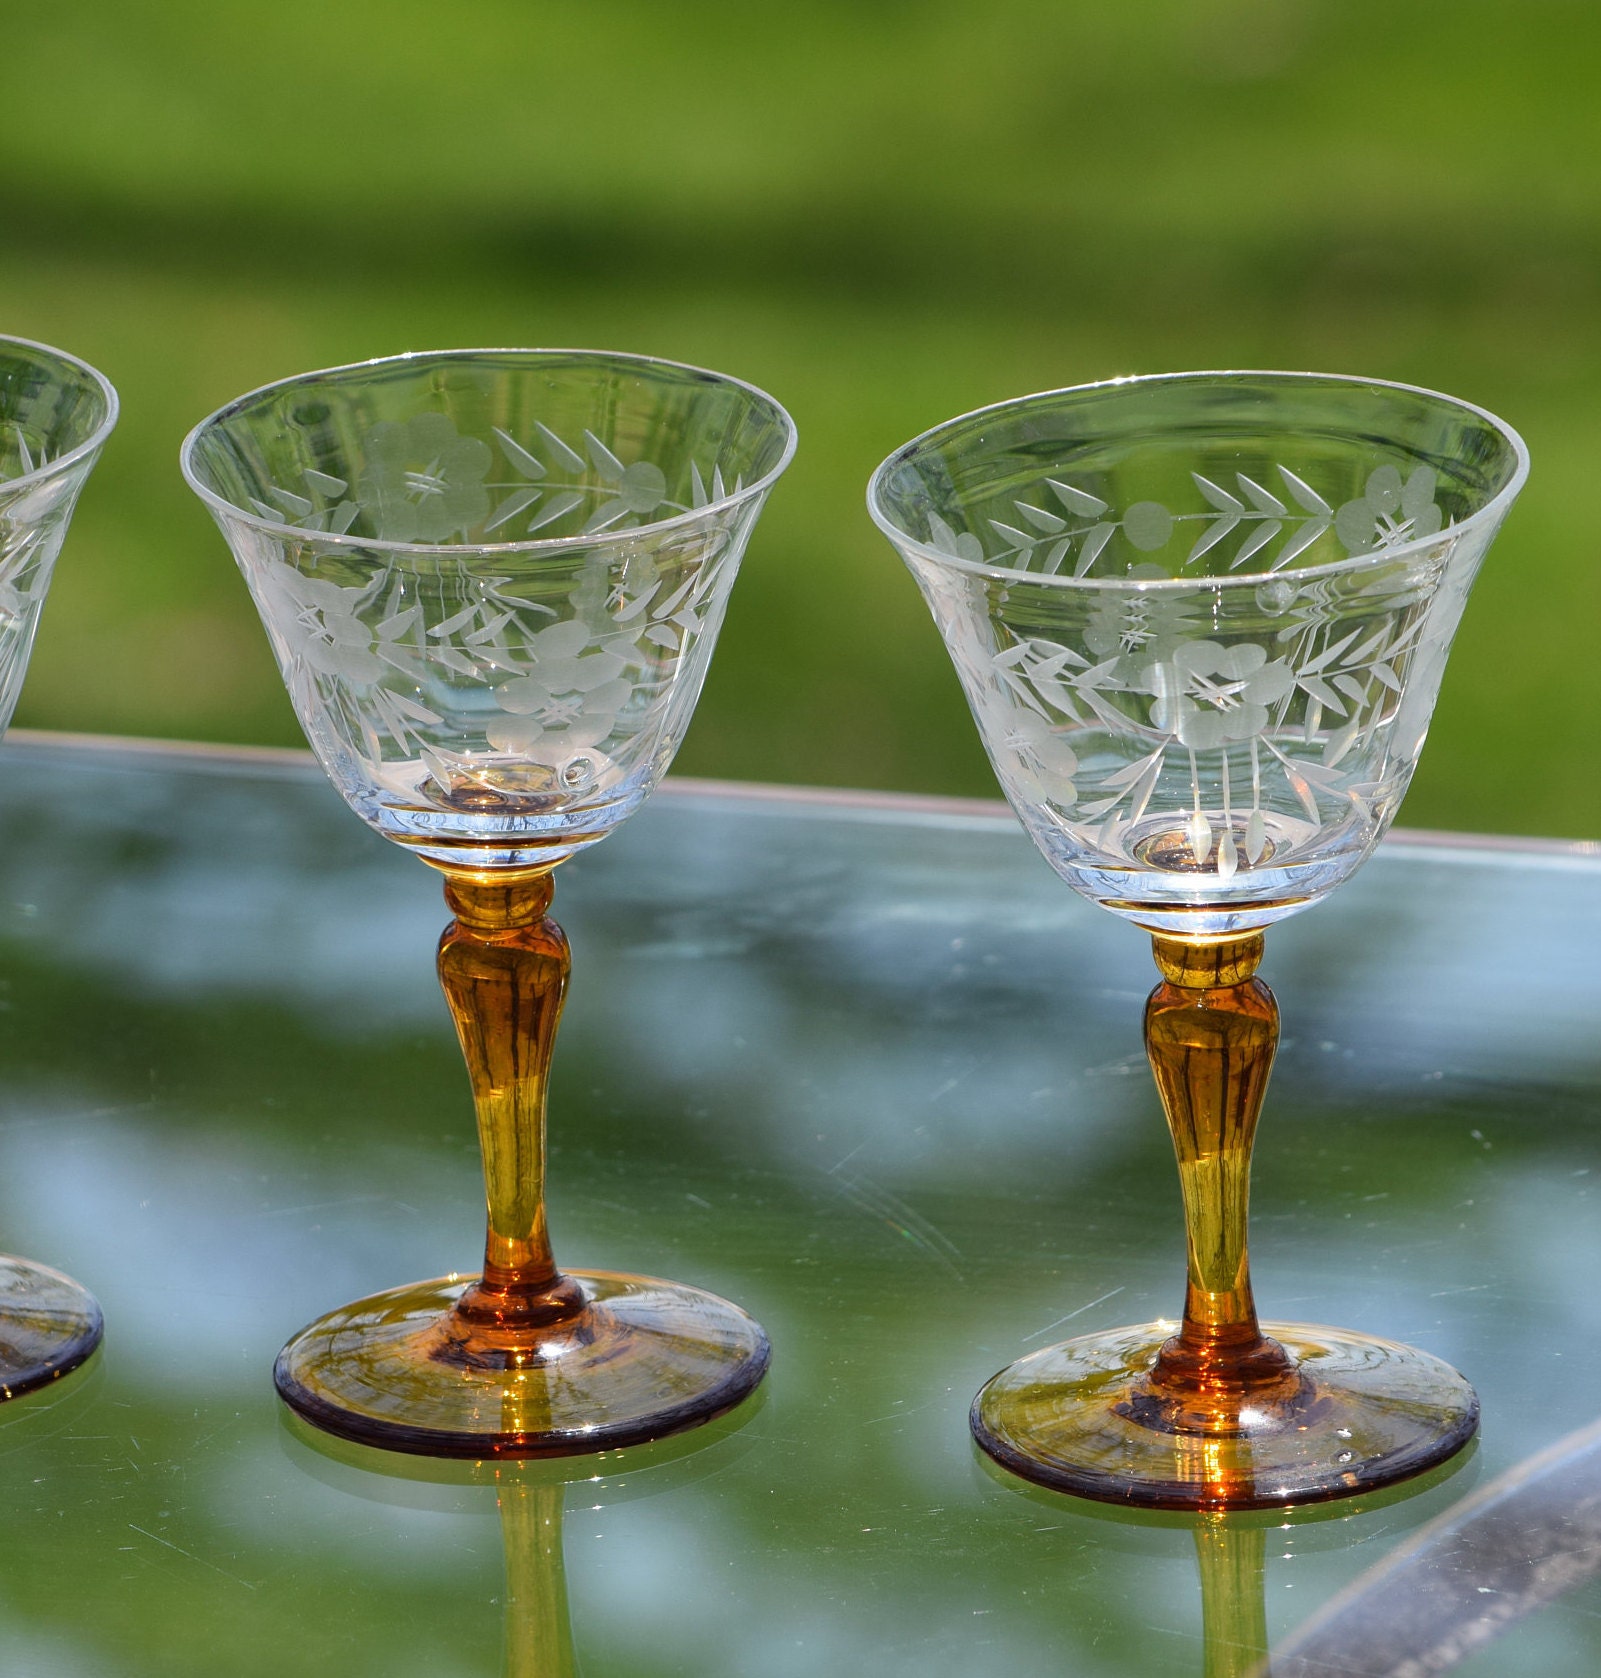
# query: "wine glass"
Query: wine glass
1201,621
492,581
56,413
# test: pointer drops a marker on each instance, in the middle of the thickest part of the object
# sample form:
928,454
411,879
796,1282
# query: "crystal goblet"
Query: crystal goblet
56,413
1201,622
492,581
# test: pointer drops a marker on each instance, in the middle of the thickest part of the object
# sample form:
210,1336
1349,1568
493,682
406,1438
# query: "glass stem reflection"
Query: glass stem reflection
1210,1032
503,965
1232,1562
539,1639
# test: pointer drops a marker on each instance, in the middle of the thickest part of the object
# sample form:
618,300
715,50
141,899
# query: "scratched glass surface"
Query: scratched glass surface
880,1083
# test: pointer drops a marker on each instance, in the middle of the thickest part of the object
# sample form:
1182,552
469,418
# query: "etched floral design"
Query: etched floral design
1206,693
1089,737
26,510
1138,626
1272,526
423,481
569,699
462,673
1390,511
318,621
23,456
1043,758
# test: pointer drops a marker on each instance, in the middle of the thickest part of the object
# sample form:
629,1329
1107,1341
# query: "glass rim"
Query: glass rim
548,544
1489,513
63,464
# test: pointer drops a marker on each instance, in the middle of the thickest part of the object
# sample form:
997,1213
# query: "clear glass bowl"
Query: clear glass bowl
493,578
1202,618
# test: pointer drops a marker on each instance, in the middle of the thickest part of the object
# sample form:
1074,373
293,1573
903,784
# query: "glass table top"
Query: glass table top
870,1070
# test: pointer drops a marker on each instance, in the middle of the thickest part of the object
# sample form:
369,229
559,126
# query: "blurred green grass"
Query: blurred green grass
884,213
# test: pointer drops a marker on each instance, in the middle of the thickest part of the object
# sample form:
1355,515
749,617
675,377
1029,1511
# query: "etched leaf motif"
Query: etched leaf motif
1077,500
519,457
1261,499
1305,494
1299,541
964,546
1322,692
603,518
1228,860
1040,519
1013,537
1219,497
606,463
553,510
1329,654
1211,536
518,501
1255,837
1258,539
565,457
1099,535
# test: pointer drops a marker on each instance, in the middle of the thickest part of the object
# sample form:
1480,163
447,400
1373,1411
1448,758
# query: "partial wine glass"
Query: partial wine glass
56,413
1201,620
493,580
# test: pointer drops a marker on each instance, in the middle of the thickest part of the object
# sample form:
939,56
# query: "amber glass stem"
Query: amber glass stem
503,965
1210,1032
1232,1561
539,1641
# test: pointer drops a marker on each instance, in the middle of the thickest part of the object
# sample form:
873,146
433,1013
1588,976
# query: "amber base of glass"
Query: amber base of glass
642,1359
1355,1414
48,1326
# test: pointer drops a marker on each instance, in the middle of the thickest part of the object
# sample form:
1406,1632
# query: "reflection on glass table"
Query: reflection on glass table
529,1497
878,1065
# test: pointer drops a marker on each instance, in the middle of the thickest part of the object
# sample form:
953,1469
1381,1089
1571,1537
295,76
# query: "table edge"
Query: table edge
813,798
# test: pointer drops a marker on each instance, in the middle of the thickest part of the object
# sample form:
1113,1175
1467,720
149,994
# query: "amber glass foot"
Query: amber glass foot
1363,1413
1218,1412
48,1325
643,1359
522,1360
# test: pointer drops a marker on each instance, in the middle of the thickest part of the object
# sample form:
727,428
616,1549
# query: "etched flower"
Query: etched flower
1389,511
943,539
1207,694
20,553
318,622
1044,761
37,503
637,491
1136,627
423,481
569,700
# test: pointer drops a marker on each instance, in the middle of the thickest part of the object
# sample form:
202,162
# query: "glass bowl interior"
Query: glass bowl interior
479,448
1190,476
51,406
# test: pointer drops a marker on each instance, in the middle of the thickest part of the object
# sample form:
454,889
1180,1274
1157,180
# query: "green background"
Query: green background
884,211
